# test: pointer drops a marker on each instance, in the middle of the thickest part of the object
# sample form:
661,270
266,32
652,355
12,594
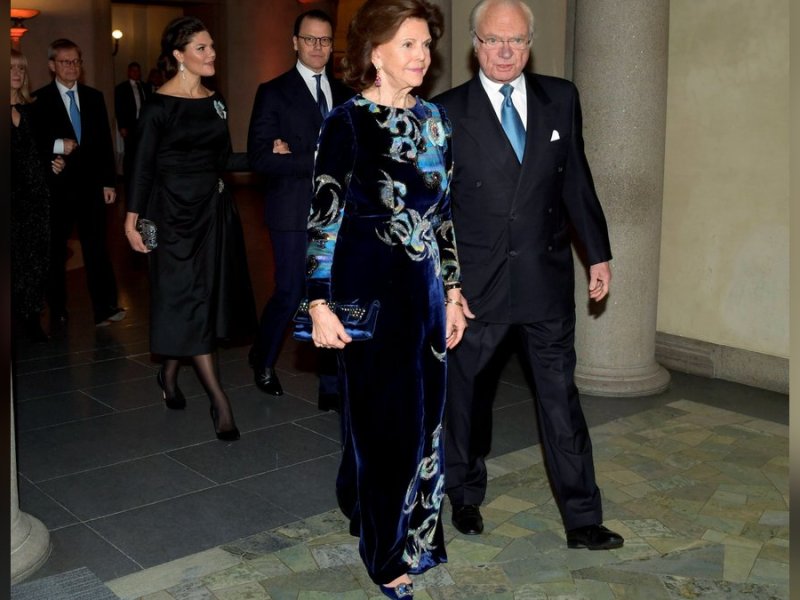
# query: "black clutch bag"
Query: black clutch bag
149,232
358,319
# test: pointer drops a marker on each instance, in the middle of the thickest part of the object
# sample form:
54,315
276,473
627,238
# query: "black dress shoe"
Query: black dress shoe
594,537
329,402
231,435
467,519
267,381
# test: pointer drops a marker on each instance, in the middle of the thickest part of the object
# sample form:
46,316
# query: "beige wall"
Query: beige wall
142,27
725,242
88,24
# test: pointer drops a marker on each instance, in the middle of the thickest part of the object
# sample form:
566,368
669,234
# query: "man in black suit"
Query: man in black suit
129,97
521,179
75,120
284,125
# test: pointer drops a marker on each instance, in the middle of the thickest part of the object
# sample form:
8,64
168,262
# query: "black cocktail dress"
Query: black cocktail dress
200,287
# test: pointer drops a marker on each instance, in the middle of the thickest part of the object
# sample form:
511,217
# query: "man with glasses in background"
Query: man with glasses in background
74,118
284,125
520,181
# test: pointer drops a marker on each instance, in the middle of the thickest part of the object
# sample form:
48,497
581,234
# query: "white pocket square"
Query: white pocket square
554,136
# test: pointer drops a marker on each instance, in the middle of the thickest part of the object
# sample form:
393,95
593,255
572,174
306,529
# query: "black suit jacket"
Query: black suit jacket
512,221
285,109
125,104
90,167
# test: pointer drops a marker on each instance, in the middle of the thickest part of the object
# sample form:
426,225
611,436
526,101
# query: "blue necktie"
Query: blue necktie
512,124
321,102
74,115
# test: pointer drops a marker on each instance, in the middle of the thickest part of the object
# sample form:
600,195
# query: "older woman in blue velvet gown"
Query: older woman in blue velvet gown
380,229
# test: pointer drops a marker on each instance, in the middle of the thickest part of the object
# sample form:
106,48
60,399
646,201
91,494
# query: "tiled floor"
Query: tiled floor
150,501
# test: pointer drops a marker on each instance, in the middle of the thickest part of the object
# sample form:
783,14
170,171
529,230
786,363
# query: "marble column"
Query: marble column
30,540
620,68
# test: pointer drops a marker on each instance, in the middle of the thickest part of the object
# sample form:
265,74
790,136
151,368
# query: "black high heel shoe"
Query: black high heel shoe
403,590
225,436
176,402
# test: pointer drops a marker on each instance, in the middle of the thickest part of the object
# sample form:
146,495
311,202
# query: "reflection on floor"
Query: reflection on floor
696,478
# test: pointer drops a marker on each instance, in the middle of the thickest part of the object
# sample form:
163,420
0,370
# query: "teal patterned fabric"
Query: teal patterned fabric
380,228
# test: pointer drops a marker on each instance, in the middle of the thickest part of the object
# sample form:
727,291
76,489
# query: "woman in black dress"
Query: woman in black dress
30,204
199,283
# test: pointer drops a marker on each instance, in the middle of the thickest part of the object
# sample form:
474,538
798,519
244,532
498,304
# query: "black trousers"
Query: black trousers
289,253
86,210
548,349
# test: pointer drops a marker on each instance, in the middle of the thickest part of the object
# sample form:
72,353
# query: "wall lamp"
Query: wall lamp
117,35
18,29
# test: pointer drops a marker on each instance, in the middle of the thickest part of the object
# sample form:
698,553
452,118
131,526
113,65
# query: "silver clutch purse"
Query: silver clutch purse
149,232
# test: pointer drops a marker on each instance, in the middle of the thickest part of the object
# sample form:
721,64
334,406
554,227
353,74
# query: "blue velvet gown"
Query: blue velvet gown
380,228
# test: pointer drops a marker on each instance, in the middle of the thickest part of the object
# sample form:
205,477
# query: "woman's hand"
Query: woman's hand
327,330
58,164
134,237
456,313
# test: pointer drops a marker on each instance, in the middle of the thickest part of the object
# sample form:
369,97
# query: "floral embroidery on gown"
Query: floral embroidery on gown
380,228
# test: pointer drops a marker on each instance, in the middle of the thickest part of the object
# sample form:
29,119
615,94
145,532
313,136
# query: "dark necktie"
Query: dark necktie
512,123
139,100
321,102
74,115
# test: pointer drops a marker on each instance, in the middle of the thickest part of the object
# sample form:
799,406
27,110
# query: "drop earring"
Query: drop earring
378,77
182,69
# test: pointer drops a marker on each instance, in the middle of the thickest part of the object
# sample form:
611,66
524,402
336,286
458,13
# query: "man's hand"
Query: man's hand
109,195
280,147
69,145
599,281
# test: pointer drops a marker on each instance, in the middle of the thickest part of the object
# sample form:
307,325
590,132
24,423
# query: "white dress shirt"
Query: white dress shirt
308,76
519,97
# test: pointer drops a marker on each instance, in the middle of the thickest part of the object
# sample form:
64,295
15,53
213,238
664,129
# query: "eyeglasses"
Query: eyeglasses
75,62
515,43
312,41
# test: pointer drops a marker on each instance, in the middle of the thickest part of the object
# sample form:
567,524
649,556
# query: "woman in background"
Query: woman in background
380,229
30,204
200,288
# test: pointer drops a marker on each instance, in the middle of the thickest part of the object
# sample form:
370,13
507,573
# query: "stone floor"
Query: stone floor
700,494
145,498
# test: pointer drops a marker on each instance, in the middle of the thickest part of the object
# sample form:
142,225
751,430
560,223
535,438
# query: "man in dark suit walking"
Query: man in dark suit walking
521,179
129,97
75,119
284,125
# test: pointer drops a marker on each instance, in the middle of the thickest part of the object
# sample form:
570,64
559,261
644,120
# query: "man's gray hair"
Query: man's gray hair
478,11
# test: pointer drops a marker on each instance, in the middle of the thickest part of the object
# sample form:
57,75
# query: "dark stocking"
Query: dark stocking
170,370
206,369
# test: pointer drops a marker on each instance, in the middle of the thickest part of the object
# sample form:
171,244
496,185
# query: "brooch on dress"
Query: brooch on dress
220,108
